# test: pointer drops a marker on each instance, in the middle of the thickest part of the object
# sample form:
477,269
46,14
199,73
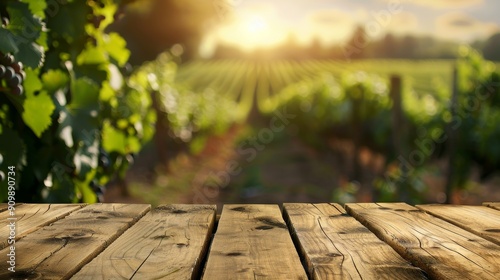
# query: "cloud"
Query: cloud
445,4
460,26
329,17
403,22
329,25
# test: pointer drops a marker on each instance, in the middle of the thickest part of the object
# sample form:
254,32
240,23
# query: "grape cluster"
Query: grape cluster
11,71
11,74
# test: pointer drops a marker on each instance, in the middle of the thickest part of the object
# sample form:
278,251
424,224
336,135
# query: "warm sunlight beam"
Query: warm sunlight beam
256,24
251,31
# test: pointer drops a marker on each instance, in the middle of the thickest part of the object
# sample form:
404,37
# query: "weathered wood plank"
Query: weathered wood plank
253,242
479,220
443,250
168,243
3,207
494,205
59,250
30,217
336,246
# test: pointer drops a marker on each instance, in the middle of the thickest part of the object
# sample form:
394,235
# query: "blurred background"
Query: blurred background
327,64
294,101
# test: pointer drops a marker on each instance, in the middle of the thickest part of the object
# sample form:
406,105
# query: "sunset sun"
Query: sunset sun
256,24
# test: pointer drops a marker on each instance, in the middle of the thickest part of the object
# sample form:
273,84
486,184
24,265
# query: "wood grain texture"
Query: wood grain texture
336,246
167,243
494,205
443,250
253,242
30,217
59,250
479,220
3,207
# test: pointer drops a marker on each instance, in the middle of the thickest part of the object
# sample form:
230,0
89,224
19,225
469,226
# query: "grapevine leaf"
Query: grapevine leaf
26,28
37,7
92,55
93,72
116,46
22,22
86,158
88,195
54,80
37,112
133,144
62,14
63,189
7,44
107,92
78,122
85,93
12,151
32,83
77,126
113,140
31,54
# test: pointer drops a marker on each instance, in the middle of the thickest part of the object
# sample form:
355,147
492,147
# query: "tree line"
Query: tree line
361,46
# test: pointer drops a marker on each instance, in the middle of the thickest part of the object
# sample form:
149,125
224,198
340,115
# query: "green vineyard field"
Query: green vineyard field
241,79
355,100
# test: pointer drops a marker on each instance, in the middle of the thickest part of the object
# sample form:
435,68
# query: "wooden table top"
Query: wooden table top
290,241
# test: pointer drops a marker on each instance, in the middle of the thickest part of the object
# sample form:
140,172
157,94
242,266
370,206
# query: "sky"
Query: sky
265,23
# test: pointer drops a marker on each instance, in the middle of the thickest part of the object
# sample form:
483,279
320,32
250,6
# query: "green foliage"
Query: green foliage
356,103
191,115
80,118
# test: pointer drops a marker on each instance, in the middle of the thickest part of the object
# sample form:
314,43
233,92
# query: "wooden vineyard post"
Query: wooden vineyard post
399,134
452,146
357,134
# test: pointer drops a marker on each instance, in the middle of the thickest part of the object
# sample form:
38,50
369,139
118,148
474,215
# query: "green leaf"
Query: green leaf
68,20
63,188
25,28
116,46
30,54
85,93
106,92
88,195
32,83
86,157
7,44
133,145
54,80
12,150
92,55
37,7
37,112
113,140
22,22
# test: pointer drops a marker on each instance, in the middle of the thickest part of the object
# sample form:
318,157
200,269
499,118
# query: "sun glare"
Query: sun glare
251,31
256,24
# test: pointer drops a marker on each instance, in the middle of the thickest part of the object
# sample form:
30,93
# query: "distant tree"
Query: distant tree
356,47
491,50
152,26
388,48
315,49
408,47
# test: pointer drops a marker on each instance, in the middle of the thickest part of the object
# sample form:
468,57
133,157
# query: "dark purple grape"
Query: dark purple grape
9,59
15,81
23,75
3,70
17,66
17,90
9,73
